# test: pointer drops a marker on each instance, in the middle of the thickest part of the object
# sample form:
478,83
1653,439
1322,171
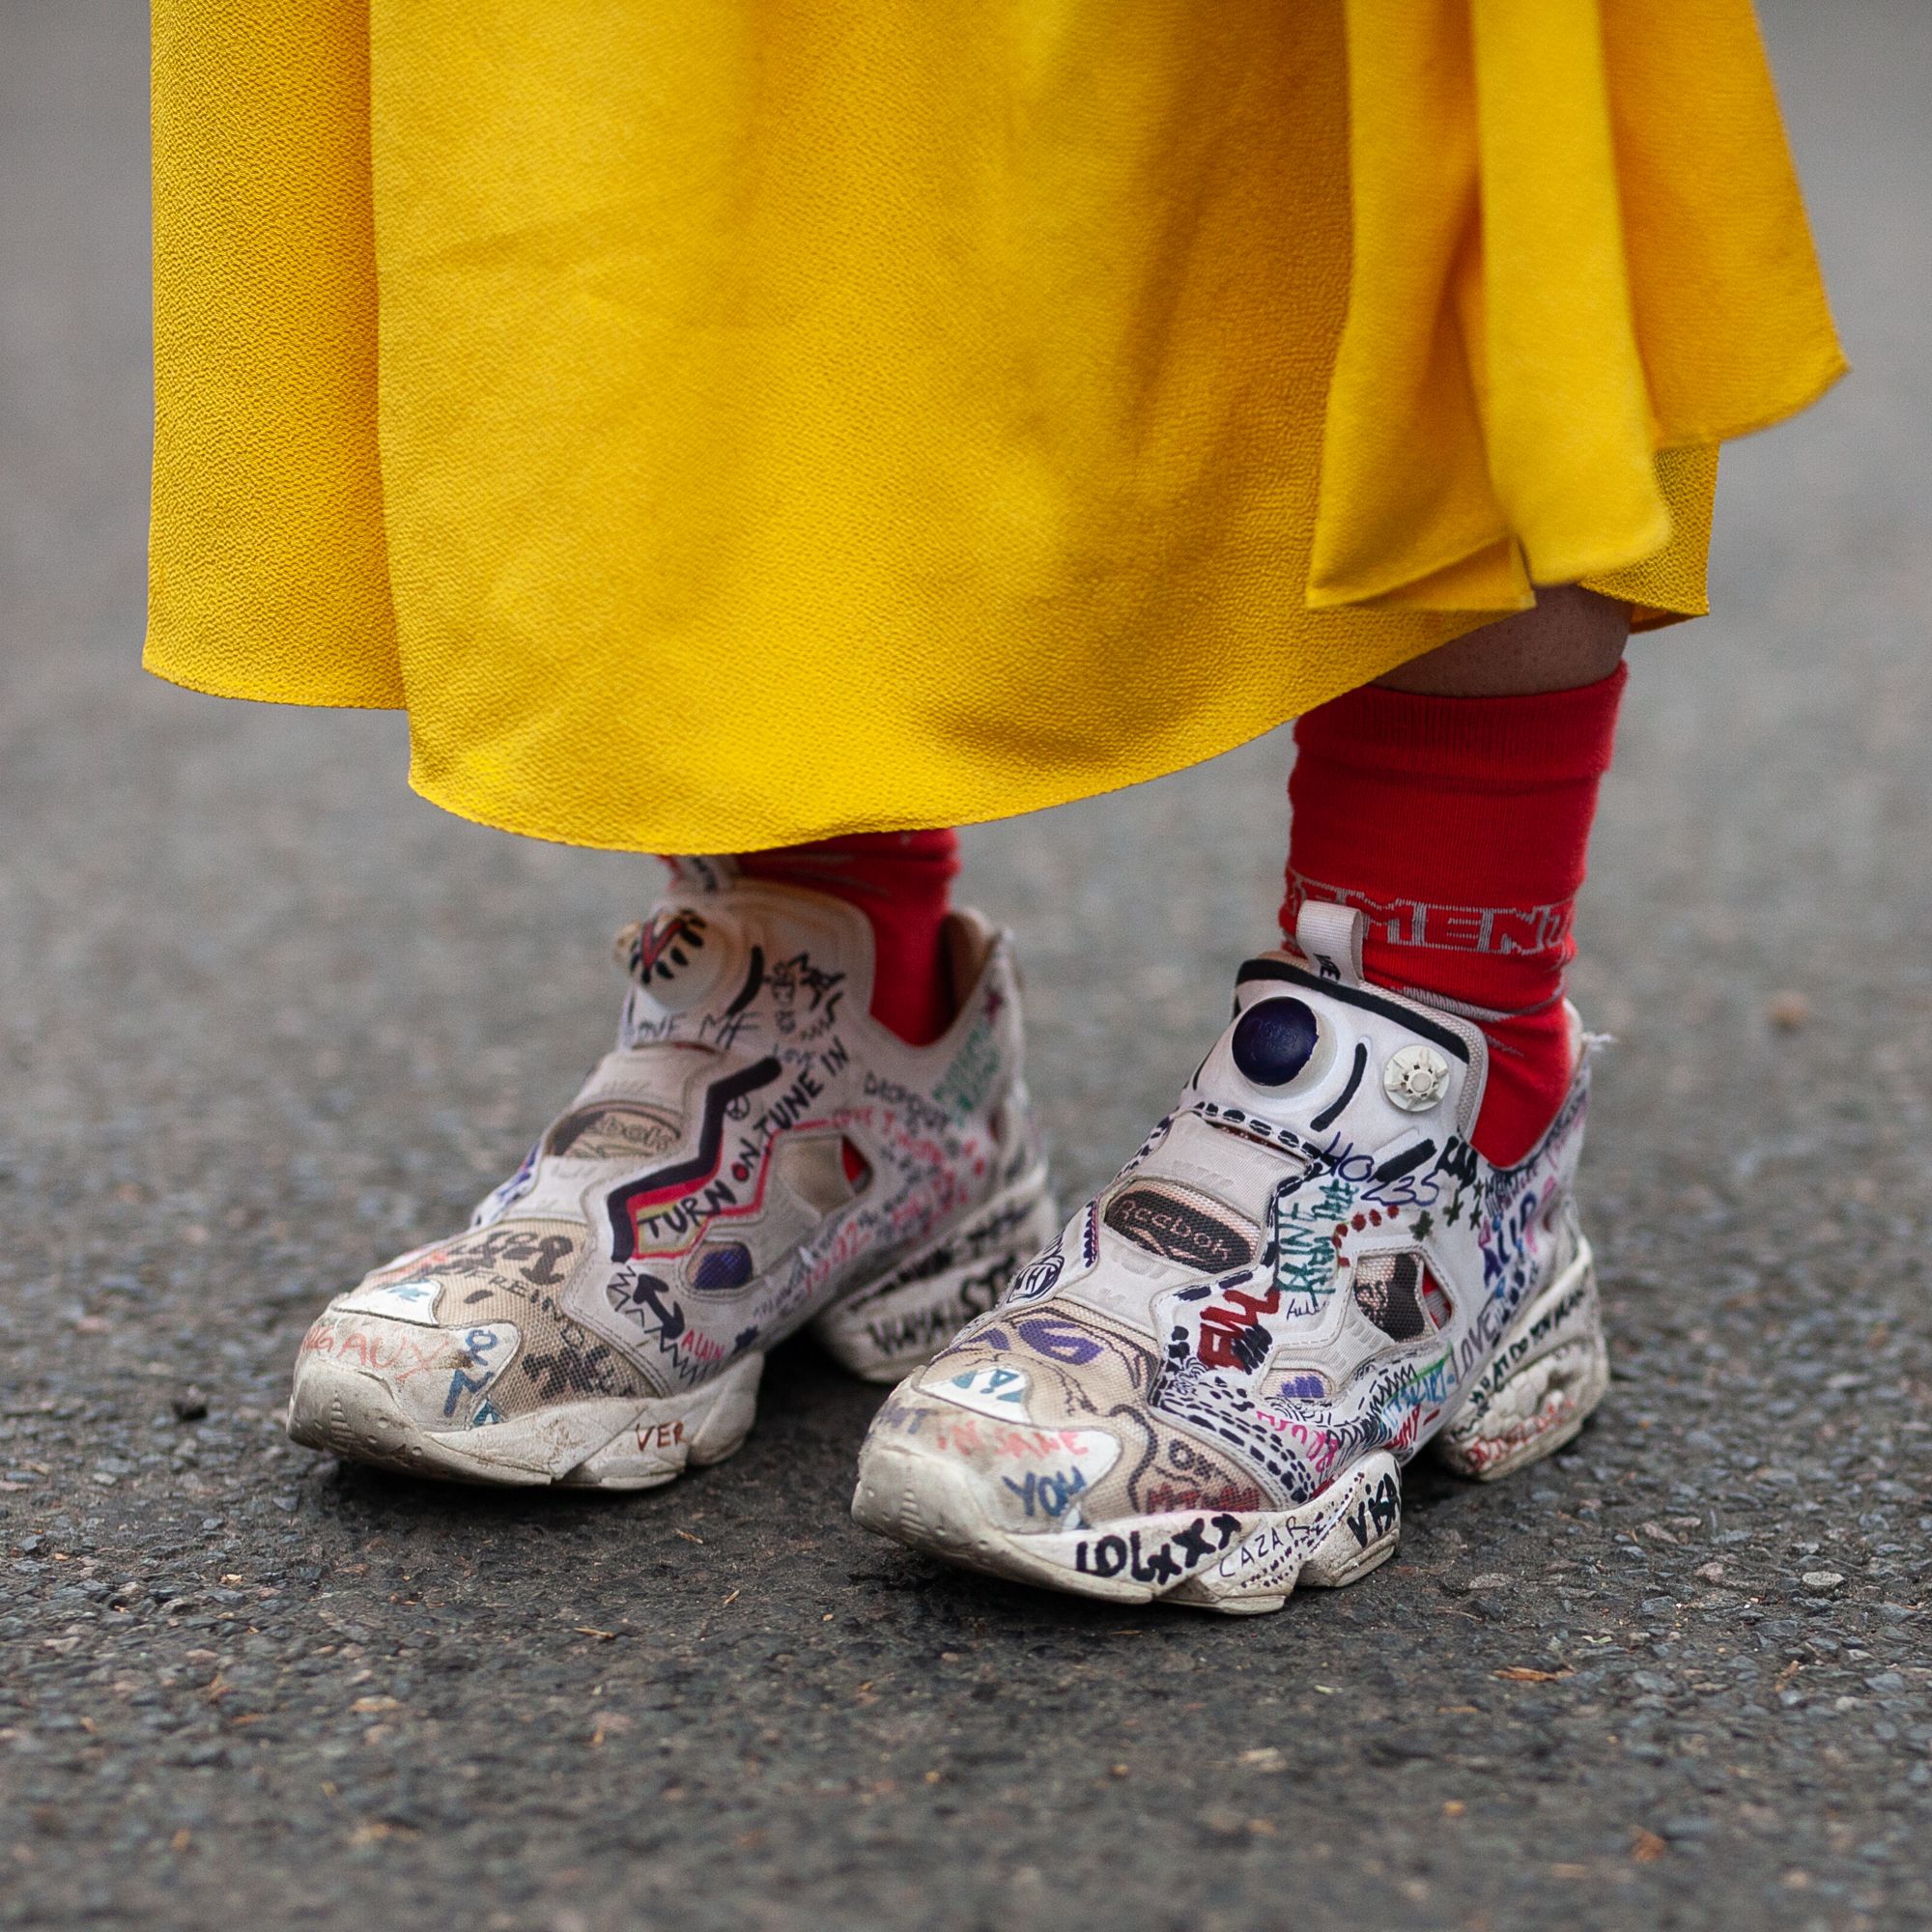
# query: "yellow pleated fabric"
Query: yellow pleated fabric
733,423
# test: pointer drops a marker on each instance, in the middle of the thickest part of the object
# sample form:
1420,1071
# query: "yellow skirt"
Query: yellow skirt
734,422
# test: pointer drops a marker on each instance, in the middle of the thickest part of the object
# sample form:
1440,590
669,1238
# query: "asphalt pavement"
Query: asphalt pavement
265,1018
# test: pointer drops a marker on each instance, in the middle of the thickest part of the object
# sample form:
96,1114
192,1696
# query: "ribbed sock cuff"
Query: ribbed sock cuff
1546,737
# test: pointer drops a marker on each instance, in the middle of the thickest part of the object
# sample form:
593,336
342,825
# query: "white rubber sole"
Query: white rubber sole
1548,1371
607,1443
881,1329
1241,1565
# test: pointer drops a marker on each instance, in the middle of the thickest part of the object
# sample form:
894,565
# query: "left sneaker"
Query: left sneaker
1205,1390
757,1154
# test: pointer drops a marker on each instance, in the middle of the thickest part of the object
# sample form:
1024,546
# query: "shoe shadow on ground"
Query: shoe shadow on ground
790,1484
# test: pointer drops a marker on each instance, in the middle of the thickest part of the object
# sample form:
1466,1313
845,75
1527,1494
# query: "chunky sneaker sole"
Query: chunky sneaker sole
1206,1389
1549,1373
757,1156
1544,1382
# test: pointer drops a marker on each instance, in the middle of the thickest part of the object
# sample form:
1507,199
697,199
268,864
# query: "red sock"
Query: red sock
1458,826
900,881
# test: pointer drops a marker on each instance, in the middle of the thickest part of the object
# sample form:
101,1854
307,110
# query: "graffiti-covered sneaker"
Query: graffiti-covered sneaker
1206,1389
757,1154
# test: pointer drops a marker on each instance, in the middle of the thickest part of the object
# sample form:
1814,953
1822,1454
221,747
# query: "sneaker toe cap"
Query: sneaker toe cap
434,1376
1012,1473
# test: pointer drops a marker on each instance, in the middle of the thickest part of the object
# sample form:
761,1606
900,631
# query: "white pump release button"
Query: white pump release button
1416,1078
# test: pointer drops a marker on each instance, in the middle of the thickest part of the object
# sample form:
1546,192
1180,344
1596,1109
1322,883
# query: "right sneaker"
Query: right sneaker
757,1154
1205,1390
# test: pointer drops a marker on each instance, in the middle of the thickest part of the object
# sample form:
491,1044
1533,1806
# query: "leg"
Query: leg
1573,638
1331,1251
900,881
1453,804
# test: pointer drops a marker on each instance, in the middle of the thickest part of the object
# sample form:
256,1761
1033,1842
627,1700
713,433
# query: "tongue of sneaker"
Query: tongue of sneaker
1316,1068
1317,1061
756,974
803,960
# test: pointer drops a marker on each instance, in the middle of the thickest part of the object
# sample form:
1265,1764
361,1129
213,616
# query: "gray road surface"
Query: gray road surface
265,1018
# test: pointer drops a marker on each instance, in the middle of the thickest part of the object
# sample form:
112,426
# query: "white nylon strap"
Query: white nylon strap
1331,937
702,874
